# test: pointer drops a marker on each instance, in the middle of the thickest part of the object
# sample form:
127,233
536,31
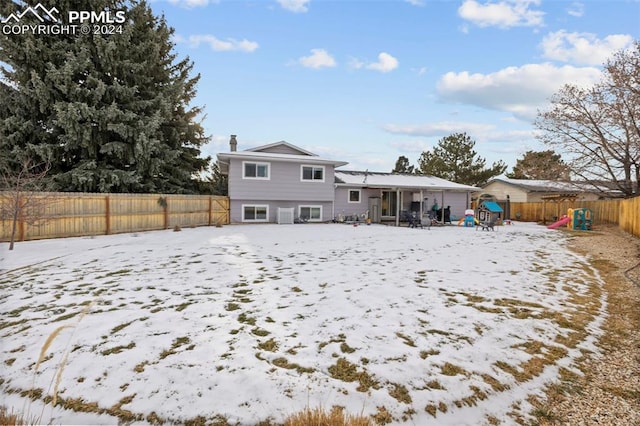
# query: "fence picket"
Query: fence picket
81,214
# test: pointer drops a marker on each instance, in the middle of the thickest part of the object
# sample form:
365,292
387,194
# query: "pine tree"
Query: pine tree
110,112
454,159
402,165
546,165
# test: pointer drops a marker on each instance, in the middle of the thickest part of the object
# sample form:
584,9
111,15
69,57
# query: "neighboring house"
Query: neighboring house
527,191
267,178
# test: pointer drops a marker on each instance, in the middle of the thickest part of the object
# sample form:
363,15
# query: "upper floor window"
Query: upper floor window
313,173
255,170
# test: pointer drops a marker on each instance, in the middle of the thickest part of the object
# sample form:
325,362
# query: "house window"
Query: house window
255,213
311,213
312,173
354,196
255,170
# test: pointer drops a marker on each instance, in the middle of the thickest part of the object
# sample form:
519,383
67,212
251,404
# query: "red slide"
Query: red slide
563,221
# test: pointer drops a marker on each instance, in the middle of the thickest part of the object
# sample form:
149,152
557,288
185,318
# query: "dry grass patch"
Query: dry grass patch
282,362
401,393
449,369
348,372
318,416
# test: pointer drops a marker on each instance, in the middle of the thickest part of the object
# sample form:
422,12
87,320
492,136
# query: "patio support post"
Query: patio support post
398,202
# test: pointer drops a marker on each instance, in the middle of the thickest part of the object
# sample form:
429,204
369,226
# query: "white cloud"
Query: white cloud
438,129
295,6
217,44
503,14
582,48
319,58
518,90
192,3
385,63
415,2
576,9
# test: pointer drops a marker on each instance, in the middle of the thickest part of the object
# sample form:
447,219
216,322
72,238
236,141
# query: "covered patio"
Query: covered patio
386,196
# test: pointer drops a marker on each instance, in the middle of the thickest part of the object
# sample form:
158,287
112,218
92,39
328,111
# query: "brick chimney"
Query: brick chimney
233,143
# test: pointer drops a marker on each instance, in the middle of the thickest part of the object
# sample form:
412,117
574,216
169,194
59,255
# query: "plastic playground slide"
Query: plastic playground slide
563,221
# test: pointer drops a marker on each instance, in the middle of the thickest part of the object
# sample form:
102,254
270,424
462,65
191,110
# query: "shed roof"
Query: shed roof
492,206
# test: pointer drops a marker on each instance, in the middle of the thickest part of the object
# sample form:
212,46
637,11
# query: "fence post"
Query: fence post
210,209
166,213
21,224
107,215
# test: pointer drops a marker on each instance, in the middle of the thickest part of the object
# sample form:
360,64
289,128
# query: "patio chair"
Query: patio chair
487,225
411,219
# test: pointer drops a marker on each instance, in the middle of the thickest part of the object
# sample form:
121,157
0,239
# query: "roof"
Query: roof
368,179
280,145
538,185
302,156
492,206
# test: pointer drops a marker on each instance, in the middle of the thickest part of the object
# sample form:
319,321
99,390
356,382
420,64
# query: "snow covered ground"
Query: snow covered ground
442,326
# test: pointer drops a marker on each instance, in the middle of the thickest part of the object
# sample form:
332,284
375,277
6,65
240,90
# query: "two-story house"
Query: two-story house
268,179
278,176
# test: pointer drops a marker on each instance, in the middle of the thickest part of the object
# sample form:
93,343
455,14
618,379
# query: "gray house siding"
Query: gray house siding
237,209
346,208
284,188
280,149
284,183
459,201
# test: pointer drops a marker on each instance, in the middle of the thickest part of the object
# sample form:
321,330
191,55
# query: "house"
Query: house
528,191
278,175
268,179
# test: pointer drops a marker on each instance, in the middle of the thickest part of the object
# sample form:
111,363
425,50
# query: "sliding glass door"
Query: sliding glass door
389,203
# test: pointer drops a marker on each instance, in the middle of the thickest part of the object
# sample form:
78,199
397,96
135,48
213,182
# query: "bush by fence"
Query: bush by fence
624,213
81,214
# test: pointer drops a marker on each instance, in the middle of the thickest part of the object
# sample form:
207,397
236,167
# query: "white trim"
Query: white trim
255,206
257,164
319,219
313,169
349,196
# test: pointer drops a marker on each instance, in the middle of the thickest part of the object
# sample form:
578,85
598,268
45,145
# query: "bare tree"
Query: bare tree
598,128
21,197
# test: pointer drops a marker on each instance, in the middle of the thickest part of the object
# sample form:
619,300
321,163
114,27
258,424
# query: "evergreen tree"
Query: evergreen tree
218,181
454,159
545,165
403,165
110,112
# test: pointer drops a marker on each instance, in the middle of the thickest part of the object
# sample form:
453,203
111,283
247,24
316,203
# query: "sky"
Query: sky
366,81
254,322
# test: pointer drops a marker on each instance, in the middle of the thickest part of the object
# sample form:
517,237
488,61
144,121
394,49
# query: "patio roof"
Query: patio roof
398,181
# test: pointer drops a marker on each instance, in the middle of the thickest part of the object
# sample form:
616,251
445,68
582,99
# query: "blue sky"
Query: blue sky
366,81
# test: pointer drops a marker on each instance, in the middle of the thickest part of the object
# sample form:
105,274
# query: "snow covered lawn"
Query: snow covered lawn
246,323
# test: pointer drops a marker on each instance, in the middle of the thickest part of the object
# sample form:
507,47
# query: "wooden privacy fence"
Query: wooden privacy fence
624,213
60,214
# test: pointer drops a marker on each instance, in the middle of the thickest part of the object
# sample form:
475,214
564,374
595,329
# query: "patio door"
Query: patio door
389,203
